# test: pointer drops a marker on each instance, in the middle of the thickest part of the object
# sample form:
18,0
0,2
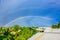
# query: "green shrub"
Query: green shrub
24,34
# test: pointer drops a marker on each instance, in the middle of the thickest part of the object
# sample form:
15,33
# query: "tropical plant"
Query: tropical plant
16,32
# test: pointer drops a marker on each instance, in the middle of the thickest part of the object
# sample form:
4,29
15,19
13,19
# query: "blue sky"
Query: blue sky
39,21
13,9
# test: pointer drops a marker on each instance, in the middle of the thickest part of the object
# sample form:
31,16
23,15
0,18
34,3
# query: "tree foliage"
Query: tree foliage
16,33
56,26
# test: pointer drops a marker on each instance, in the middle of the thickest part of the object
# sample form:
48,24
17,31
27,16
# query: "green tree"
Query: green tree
16,27
59,25
54,26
